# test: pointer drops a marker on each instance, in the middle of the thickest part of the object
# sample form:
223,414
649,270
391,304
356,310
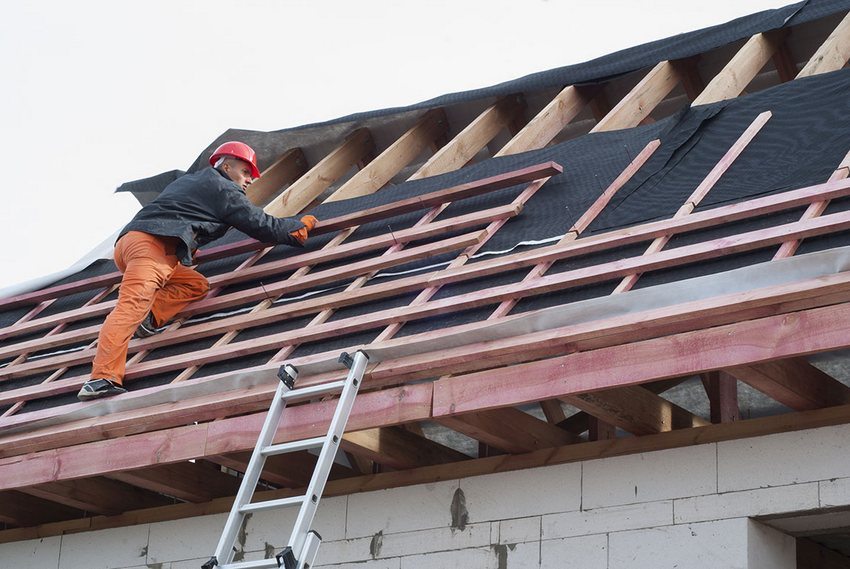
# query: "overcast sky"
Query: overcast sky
96,93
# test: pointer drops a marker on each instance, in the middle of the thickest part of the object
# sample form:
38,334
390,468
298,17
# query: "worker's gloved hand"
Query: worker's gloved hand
309,222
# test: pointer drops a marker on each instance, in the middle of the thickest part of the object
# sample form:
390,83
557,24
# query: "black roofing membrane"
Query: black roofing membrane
801,145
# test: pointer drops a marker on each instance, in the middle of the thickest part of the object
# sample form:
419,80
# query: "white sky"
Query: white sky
96,93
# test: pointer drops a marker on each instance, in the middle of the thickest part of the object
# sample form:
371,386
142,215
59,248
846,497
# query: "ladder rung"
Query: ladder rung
269,504
314,390
294,446
260,564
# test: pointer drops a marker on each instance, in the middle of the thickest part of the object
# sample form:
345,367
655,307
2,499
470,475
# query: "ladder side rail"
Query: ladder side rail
224,549
326,457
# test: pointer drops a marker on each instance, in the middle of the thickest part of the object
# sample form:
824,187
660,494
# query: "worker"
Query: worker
154,253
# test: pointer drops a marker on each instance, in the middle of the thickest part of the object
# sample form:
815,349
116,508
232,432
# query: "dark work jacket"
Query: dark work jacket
199,208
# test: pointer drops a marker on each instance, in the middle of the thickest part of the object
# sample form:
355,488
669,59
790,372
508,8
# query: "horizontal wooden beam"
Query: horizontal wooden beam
400,207
372,409
428,231
750,342
823,291
664,259
788,422
21,509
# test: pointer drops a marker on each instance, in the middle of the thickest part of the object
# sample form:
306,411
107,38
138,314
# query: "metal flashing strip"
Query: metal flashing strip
753,277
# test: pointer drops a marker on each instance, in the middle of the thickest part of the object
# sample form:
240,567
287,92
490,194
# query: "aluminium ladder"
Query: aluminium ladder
303,545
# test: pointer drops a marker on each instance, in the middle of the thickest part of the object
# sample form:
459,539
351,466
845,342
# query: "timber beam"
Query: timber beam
398,448
832,54
793,382
289,167
429,128
509,429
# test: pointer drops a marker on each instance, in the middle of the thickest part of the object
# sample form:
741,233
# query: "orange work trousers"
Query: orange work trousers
154,281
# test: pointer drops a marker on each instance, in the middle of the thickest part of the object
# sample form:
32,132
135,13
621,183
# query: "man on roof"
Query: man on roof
154,253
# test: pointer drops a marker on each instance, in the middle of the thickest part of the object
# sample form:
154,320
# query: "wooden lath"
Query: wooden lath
664,259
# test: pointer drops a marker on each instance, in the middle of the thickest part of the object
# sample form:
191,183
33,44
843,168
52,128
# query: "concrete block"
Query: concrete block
105,549
185,539
377,564
31,554
769,549
784,458
518,556
590,552
649,477
519,531
346,551
408,543
523,493
708,545
835,492
777,500
481,558
272,528
604,520
397,510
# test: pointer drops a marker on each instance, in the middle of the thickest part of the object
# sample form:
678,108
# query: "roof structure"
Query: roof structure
641,252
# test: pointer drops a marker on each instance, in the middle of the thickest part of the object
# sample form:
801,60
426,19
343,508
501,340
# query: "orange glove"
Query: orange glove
301,234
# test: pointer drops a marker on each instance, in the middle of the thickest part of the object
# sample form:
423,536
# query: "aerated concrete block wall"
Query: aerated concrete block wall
682,508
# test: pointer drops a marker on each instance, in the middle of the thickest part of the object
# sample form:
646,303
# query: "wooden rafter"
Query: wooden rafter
642,99
301,193
184,480
635,410
566,454
289,167
98,495
794,382
509,429
832,54
391,161
546,125
466,144
743,67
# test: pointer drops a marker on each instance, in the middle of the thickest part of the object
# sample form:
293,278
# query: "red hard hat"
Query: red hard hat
237,150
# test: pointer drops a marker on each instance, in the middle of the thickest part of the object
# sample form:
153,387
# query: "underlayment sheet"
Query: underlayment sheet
784,271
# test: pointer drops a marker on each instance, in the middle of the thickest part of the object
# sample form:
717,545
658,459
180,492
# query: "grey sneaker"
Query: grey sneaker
147,328
97,388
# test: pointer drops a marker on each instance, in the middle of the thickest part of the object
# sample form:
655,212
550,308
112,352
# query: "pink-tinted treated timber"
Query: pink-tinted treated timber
373,409
753,341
